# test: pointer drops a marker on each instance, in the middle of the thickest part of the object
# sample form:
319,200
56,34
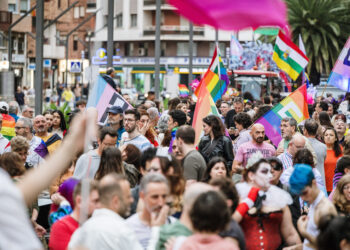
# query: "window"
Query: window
82,11
133,20
222,48
23,6
162,48
120,20
182,49
76,12
2,40
12,7
129,49
75,43
21,45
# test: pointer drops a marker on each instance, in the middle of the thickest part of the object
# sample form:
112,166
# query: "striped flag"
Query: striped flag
288,56
294,105
205,106
305,77
102,97
340,75
183,90
215,79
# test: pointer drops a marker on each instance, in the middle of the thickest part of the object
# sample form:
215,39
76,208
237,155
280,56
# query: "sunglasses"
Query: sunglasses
276,167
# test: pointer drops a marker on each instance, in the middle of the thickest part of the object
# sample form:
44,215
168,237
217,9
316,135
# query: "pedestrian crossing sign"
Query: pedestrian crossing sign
75,67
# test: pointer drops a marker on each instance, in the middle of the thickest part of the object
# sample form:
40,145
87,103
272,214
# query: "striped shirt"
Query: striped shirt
286,159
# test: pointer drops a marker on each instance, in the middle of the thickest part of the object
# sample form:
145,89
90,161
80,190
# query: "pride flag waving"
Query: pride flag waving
215,79
294,105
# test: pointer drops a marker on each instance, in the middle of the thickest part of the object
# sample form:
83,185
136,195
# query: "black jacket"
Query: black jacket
222,147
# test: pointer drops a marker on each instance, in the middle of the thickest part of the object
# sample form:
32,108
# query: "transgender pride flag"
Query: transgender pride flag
294,105
340,75
102,97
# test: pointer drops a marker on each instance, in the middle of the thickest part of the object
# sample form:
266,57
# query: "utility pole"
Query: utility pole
190,52
110,34
217,37
157,50
67,40
39,56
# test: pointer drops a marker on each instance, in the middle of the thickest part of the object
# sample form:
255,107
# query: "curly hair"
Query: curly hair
243,119
338,198
216,125
19,143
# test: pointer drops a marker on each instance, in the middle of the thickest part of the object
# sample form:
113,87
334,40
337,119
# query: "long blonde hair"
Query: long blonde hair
339,198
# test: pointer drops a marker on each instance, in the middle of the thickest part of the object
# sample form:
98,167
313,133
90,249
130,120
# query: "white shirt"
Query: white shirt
104,230
16,231
311,227
3,143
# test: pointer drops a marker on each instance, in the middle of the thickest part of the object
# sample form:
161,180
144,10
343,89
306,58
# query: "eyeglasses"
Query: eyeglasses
276,167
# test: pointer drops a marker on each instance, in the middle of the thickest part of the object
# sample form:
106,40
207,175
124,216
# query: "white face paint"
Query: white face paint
263,176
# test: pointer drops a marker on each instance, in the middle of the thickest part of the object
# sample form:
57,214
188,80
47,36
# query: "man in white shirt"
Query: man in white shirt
154,190
106,229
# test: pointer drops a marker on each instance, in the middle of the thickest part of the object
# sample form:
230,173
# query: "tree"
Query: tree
324,26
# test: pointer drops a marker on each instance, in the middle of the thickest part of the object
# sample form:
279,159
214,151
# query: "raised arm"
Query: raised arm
41,177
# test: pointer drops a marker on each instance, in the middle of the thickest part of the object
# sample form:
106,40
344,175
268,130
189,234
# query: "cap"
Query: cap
301,177
115,110
4,106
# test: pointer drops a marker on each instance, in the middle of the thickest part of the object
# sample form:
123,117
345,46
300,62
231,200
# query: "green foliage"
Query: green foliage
324,26
65,109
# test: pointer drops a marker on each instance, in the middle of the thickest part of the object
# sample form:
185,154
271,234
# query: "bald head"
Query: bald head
193,191
297,143
258,133
40,125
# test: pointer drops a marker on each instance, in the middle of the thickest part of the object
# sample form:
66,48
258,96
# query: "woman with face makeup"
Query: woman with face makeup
263,211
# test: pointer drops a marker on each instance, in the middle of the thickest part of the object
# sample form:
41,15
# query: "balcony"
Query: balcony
151,5
5,20
173,30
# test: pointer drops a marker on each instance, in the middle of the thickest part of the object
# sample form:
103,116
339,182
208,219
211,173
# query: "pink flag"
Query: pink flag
233,14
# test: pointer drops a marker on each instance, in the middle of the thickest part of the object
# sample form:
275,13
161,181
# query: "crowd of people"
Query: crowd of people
142,182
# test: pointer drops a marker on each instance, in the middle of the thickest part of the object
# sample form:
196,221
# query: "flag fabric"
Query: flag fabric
41,149
205,106
340,75
102,97
183,90
233,14
294,105
288,56
8,126
216,78
235,48
305,77
286,81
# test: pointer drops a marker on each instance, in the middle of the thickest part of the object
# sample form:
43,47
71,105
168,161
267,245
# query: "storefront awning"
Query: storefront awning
147,70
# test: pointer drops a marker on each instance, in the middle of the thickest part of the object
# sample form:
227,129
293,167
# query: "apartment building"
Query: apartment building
55,37
134,42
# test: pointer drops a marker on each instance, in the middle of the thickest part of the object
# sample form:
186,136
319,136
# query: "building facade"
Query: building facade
134,43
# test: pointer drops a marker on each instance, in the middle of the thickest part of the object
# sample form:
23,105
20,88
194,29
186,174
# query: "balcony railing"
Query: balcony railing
152,2
173,30
5,19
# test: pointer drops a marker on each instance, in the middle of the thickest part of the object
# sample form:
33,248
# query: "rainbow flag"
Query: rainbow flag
294,105
288,57
183,90
8,126
205,106
104,96
215,79
340,75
